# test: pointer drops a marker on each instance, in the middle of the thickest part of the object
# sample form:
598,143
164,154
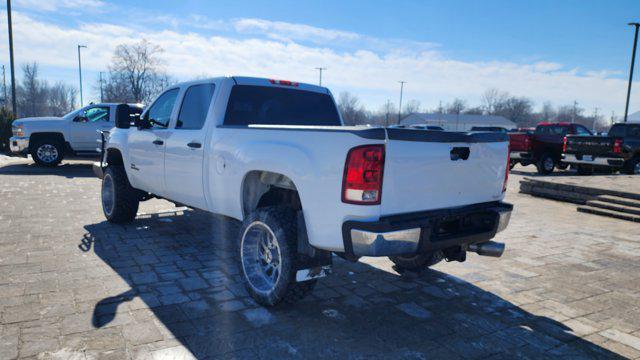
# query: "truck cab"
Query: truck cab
49,139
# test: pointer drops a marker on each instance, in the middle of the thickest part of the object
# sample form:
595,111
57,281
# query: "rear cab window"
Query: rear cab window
266,105
618,131
552,130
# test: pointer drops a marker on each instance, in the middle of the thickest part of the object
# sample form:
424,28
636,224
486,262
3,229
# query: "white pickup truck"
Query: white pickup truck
275,154
50,139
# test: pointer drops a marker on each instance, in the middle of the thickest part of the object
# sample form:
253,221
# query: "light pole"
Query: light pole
320,69
4,87
13,73
633,60
101,91
80,73
400,107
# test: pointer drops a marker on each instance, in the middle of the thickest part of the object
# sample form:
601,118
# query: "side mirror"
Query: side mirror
80,118
143,123
123,117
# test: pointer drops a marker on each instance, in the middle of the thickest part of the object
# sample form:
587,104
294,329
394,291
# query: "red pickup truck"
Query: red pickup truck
543,146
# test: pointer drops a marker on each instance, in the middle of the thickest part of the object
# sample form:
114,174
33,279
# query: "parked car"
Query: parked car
544,147
50,139
619,150
275,154
489,128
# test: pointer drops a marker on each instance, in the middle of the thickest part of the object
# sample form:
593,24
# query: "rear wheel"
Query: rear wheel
546,164
633,166
585,170
47,152
268,254
120,200
417,261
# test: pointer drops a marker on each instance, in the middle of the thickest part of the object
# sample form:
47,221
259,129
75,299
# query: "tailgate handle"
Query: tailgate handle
458,153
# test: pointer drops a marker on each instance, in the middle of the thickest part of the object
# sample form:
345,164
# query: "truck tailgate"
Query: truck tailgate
589,145
427,170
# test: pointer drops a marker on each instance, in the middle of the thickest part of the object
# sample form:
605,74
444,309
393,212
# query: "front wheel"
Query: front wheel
47,152
268,253
546,164
120,200
417,261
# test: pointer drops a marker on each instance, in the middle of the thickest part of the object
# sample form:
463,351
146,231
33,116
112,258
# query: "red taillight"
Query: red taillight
283,82
362,181
564,145
506,172
617,146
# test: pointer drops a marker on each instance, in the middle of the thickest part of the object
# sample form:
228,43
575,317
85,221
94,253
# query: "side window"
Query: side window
97,114
195,106
581,130
159,113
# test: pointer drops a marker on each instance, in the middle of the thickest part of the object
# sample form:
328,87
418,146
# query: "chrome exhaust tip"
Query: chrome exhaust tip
489,248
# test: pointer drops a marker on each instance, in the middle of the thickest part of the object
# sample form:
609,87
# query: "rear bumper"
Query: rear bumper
425,231
19,145
521,155
597,161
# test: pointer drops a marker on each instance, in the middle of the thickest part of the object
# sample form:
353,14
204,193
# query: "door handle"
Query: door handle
194,145
158,142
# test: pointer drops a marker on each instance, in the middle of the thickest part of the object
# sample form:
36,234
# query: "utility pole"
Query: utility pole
575,112
4,87
613,117
320,69
80,73
13,73
388,107
633,60
595,118
400,107
101,92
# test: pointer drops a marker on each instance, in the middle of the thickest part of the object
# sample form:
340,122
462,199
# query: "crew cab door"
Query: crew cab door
83,130
184,154
147,146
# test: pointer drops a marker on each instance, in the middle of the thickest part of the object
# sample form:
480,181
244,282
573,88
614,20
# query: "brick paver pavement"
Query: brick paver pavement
167,287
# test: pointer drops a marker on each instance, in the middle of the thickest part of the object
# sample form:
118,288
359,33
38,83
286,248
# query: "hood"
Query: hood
34,119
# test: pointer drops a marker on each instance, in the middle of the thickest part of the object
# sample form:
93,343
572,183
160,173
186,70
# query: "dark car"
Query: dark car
619,150
544,146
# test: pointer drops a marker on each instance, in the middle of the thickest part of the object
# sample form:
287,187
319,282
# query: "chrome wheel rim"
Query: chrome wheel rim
47,153
108,194
261,257
548,164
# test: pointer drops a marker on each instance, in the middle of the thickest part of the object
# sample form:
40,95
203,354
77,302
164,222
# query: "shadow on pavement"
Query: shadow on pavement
68,170
182,266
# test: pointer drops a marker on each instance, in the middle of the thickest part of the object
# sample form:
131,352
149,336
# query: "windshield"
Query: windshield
72,114
267,105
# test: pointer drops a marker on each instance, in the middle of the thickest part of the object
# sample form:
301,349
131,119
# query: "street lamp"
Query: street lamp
400,107
633,60
13,74
80,72
320,69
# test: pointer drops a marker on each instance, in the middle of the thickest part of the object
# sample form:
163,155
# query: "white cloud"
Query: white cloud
371,74
54,5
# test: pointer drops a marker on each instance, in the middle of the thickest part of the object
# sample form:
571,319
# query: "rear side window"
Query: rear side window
581,130
267,105
195,106
617,131
552,130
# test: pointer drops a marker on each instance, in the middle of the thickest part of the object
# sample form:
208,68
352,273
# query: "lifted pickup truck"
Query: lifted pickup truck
544,147
619,150
50,139
275,154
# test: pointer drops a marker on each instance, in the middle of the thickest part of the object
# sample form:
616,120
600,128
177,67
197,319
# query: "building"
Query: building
635,117
461,122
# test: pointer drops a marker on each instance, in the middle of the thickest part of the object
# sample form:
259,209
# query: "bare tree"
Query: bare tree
352,111
61,99
31,92
492,99
457,106
476,110
413,106
135,73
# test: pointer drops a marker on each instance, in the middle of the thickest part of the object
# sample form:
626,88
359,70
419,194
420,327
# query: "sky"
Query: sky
559,51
